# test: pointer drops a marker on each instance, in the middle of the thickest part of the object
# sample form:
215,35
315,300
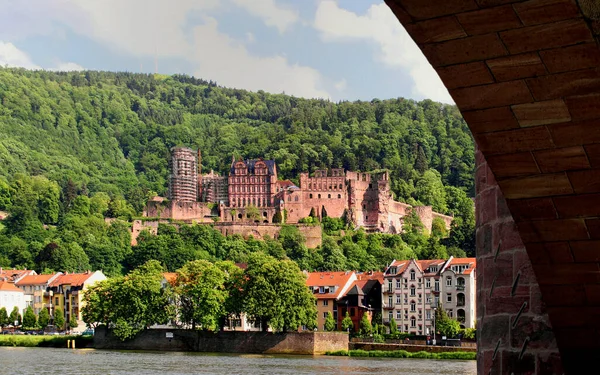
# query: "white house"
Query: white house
11,296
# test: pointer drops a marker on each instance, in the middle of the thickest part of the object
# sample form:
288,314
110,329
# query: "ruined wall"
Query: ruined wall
179,210
307,343
139,226
312,233
514,334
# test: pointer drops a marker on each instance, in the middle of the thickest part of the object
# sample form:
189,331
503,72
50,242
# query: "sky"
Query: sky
332,49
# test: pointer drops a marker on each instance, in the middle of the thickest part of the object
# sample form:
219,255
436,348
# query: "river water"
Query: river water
16,361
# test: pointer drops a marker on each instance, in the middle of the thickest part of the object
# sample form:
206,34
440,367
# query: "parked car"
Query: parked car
6,332
88,332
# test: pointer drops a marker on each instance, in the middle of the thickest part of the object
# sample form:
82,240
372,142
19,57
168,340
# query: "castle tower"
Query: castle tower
183,181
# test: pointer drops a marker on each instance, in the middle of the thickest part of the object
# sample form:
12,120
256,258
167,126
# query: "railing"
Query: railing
460,303
460,287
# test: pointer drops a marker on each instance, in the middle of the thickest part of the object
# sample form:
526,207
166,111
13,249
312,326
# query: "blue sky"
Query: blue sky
336,49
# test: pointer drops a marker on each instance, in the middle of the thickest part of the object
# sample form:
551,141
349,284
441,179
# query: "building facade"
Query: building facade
328,288
183,181
413,289
363,297
36,291
11,297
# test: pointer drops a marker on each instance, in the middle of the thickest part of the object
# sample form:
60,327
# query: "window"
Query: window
448,281
339,196
437,286
390,286
398,300
397,284
325,302
324,315
406,328
448,297
450,313
391,315
296,198
428,299
427,283
328,195
413,322
390,301
412,274
413,290
319,196
428,314
413,306
398,315
310,196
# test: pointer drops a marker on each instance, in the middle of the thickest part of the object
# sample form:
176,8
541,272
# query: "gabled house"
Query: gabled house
11,297
36,291
329,288
363,297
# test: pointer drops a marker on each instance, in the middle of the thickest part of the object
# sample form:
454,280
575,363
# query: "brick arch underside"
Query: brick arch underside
526,77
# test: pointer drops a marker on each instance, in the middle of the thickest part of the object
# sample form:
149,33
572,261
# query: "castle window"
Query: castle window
289,198
328,195
339,196
329,187
319,196
296,198
310,185
370,186
340,186
366,218
310,196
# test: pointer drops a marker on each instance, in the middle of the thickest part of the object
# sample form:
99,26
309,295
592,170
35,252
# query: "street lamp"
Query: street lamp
434,313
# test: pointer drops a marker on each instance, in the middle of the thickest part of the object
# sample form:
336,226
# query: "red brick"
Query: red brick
575,133
538,331
586,251
593,226
494,329
567,274
502,208
586,181
553,230
512,141
463,75
498,271
436,30
458,51
545,36
536,186
541,113
505,305
399,12
489,20
554,252
513,67
578,205
561,159
532,209
593,154
584,107
564,295
490,120
576,57
559,85
537,253
508,233
522,267
518,364
507,291
546,11
493,95
487,206
512,165
420,9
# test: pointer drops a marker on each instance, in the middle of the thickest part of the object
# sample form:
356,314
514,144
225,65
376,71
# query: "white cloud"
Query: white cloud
341,84
271,13
68,67
230,64
12,56
250,37
395,47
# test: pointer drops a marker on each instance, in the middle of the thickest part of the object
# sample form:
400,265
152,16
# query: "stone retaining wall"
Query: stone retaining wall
410,348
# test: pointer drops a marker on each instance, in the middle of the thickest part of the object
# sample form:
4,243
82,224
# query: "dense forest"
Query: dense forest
81,146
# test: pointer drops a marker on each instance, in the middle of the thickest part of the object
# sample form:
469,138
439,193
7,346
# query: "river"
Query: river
16,361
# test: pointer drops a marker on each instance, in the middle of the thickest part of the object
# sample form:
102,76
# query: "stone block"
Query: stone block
575,133
436,30
567,274
578,205
546,11
513,67
489,20
564,295
580,82
490,120
593,226
535,328
547,35
586,251
532,209
513,165
492,95
512,141
576,57
514,363
494,328
562,159
584,107
458,51
553,230
541,113
593,154
541,185
585,181
464,75
419,9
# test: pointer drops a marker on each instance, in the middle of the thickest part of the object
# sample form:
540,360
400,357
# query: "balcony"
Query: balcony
460,287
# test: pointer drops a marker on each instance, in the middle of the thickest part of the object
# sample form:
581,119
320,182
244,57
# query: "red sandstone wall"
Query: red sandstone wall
186,211
514,332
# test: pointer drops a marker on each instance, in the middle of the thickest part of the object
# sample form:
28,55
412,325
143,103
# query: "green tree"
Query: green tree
202,295
4,321
43,318
73,323
15,316
329,322
445,325
252,213
29,319
59,319
430,191
275,294
333,256
365,325
393,327
347,323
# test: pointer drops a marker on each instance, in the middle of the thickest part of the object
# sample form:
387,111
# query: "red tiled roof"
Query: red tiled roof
35,279
73,279
9,287
337,279
463,261
366,276
12,274
424,264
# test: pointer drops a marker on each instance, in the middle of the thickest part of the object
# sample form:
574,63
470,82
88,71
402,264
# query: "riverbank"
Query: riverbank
45,341
403,354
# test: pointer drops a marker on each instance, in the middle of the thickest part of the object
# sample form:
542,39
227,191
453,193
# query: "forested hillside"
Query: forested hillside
77,147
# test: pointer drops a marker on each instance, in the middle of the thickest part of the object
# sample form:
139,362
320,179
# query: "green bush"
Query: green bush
43,341
403,354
